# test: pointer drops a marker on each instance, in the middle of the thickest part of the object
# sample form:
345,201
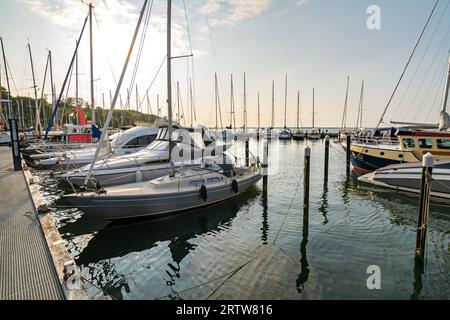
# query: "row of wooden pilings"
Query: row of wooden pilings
425,188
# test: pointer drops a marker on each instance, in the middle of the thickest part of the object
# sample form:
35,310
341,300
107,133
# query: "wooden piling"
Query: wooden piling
327,156
265,164
424,204
15,144
247,152
306,179
349,141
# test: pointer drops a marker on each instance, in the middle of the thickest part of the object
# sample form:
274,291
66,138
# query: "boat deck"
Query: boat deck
26,266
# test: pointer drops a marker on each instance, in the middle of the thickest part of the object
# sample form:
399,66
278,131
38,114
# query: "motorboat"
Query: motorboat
125,142
147,164
214,181
407,177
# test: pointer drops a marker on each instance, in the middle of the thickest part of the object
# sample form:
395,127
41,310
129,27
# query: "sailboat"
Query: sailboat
217,179
314,134
298,134
285,134
269,134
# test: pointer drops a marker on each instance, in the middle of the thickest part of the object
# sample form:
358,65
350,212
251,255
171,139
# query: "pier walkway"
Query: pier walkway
26,266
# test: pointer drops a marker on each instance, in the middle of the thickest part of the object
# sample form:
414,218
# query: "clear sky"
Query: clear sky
317,43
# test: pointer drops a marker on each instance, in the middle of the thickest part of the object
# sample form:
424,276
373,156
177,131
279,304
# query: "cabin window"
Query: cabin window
408,143
425,143
196,183
213,180
139,142
443,143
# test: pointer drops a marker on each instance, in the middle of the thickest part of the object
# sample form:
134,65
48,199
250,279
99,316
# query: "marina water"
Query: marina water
351,227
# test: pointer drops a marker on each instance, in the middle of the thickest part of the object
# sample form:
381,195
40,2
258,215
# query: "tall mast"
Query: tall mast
298,109
360,106
169,80
313,111
447,86
30,108
273,104
5,64
178,103
1,102
103,102
259,123
148,105
51,82
76,83
38,127
233,115
157,104
344,115
192,101
91,54
245,106
285,100
137,99
215,96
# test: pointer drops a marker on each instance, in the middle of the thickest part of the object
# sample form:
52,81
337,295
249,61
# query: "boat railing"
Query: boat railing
375,141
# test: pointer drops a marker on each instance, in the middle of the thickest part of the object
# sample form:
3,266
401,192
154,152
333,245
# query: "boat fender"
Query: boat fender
234,186
203,192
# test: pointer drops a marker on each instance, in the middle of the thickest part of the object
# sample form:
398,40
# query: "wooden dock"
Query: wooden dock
27,270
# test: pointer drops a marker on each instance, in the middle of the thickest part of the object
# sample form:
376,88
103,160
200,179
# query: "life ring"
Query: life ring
204,192
234,186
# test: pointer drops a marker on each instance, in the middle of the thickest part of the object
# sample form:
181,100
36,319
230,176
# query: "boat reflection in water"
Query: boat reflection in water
119,253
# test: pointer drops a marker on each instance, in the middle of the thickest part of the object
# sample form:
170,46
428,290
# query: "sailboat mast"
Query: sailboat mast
191,102
5,64
273,104
313,111
178,103
233,116
447,86
359,118
259,123
298,109
169,80
51,82
245,106
157,105
344,115
215,97
76,82
38,119
285,100
91,55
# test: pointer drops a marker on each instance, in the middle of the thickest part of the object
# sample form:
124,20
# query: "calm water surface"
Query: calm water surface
350,228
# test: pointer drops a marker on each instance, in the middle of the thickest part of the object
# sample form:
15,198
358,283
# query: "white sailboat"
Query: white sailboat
314,134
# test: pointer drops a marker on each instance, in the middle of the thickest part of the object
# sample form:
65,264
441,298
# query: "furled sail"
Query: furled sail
105,149
444,122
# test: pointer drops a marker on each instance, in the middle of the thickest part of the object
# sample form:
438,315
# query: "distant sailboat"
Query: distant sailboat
298,134
314,134
285,134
